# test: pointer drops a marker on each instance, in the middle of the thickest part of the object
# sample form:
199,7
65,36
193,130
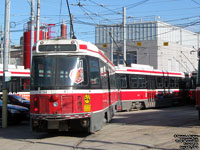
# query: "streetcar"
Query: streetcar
142,87
19,81
198,86
73,87
190,87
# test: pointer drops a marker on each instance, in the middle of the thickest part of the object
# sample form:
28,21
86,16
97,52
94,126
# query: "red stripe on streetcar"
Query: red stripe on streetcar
28,73
21,73
156,72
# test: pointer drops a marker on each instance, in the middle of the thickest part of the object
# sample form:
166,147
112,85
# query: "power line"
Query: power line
196,2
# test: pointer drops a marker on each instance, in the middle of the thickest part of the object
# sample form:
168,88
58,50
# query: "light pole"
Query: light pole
124,32
5,61
32,29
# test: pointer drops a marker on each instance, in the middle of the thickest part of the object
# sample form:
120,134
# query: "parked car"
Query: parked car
17,100
16,113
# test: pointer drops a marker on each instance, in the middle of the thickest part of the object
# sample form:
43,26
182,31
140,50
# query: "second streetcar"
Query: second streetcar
141,87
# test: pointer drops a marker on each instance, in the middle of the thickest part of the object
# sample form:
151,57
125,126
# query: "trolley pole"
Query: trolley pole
124,32
71,28
5,61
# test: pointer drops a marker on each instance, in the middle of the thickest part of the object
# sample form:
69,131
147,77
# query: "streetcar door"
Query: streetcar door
109,94
110,112
151,92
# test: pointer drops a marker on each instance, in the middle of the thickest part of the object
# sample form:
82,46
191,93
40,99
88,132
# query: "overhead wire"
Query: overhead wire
111,11
196,2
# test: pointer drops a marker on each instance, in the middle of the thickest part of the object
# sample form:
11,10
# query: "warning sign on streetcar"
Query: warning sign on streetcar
87,98
87,108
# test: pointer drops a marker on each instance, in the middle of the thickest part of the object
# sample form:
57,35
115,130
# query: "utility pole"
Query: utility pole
124,32
2,37
32,29
38,21
111,44
5,61
181,36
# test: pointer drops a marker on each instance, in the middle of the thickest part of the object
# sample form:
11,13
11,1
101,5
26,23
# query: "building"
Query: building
155,43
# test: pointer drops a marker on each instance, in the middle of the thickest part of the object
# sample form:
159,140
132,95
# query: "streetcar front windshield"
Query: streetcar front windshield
58,72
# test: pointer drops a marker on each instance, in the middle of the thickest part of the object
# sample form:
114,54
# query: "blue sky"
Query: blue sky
88,13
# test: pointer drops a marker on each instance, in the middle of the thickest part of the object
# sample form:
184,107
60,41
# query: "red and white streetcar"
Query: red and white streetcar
19,81
73,86
141,87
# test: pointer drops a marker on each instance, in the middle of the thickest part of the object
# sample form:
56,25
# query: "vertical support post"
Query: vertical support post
124,32
4,110
32,29
38,21
5,61
2,37
181,37
111,44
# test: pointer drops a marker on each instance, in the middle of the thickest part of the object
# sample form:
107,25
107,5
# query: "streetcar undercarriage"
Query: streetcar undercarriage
39,125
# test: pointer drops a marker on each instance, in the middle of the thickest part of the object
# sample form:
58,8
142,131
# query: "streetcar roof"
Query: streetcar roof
16,71
146,70
82,48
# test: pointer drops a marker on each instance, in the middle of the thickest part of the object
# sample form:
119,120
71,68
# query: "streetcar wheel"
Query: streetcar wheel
139,106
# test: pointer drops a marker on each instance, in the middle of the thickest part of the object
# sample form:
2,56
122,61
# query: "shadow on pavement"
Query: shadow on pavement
23,131
172,117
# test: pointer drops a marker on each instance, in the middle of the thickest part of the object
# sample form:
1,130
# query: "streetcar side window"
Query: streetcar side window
118,81
133,81
142,82
177,82
123,81
94,72
152,82
193,82
159,82
166,82
104,78
112,78
172,82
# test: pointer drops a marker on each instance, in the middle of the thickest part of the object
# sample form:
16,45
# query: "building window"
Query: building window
131,58
118,59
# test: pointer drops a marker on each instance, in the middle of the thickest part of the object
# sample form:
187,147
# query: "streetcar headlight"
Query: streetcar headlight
55,104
